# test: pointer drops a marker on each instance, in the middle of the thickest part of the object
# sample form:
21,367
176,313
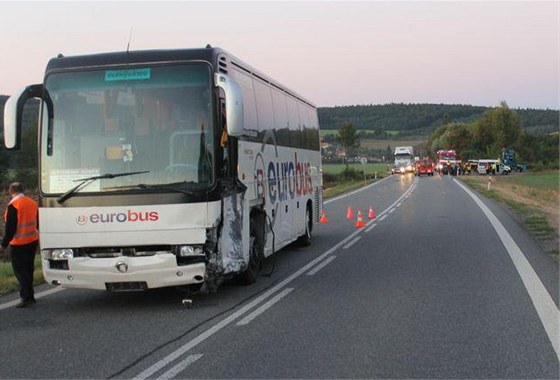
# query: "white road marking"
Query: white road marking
354,241
321,266
180,367
37,296
225,322
383,217
545,306
264,307
372,226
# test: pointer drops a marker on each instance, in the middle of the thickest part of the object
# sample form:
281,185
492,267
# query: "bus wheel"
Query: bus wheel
305,239
249,276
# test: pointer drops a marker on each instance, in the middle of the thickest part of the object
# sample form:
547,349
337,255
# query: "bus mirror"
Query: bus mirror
13,111
234,104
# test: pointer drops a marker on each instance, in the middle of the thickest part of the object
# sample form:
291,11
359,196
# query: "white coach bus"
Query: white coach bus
168,168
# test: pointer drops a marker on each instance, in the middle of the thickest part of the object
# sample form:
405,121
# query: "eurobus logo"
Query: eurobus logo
118,217
283,180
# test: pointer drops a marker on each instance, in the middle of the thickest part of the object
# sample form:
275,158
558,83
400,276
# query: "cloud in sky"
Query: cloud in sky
333,53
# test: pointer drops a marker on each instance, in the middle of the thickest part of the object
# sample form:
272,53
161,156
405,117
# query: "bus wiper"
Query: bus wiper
164,187
86,181
144,186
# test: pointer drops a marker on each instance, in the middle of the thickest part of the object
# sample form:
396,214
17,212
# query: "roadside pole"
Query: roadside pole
363,160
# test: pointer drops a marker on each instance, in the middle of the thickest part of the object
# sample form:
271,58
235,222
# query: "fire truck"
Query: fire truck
447,161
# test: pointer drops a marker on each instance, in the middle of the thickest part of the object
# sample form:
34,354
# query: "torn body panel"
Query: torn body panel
231,255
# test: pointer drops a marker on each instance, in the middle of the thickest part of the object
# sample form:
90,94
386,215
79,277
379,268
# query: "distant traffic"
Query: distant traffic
448,162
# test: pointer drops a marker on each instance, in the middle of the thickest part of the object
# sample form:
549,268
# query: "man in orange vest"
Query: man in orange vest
22,235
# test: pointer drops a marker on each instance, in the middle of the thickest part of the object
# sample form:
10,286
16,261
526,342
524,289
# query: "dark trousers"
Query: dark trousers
23,260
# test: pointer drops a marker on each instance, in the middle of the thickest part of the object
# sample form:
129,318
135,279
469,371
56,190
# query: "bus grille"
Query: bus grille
106,252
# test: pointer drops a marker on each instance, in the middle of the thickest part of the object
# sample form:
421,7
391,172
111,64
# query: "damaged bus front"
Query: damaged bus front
139,172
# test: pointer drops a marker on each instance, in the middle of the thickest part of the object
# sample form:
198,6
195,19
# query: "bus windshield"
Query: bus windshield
155,120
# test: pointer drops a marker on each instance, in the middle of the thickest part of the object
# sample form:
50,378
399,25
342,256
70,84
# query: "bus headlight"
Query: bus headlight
190,250
57,254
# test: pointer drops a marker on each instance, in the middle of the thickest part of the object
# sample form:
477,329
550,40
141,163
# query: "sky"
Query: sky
333,53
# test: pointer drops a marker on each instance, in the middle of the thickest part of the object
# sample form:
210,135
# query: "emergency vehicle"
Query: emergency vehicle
424,166
446,160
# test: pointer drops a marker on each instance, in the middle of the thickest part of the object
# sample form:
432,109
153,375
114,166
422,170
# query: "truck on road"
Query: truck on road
404,160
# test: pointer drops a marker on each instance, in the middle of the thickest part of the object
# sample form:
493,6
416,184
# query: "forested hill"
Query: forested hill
407,119
421,119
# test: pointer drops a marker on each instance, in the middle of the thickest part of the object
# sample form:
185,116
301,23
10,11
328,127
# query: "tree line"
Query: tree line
474,131
381,121
497,128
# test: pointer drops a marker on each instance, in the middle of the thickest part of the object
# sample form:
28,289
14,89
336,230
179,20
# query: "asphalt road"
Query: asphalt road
441,284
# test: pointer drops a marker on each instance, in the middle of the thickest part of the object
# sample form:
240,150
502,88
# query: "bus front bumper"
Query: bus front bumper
124,273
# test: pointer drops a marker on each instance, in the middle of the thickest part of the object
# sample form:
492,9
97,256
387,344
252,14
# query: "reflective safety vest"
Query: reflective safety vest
26,231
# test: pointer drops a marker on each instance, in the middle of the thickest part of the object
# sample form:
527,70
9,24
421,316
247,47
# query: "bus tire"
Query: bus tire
249,276
305,239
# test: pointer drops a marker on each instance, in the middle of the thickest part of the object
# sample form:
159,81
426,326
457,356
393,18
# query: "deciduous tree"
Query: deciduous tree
348,138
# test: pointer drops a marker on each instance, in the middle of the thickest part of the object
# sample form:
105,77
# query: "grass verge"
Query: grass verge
532,202
344,188
8,282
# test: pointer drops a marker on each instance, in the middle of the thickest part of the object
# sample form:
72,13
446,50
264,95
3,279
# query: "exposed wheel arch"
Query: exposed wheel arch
256,247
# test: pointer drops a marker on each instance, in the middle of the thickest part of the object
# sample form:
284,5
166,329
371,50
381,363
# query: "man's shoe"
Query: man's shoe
24,303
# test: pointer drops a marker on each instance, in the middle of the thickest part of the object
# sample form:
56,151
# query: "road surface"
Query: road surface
441,284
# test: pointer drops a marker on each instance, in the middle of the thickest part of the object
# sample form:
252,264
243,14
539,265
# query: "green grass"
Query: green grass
342,188
548,180
327,132
534,220
371,168
8,282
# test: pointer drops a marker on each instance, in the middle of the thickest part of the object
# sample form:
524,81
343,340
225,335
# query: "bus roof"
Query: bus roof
219,58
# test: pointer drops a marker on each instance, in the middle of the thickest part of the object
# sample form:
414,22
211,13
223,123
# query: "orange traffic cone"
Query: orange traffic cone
349,213
323,218
360,222
371,214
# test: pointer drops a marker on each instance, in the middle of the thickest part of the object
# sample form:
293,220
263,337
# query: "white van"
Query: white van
500,168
